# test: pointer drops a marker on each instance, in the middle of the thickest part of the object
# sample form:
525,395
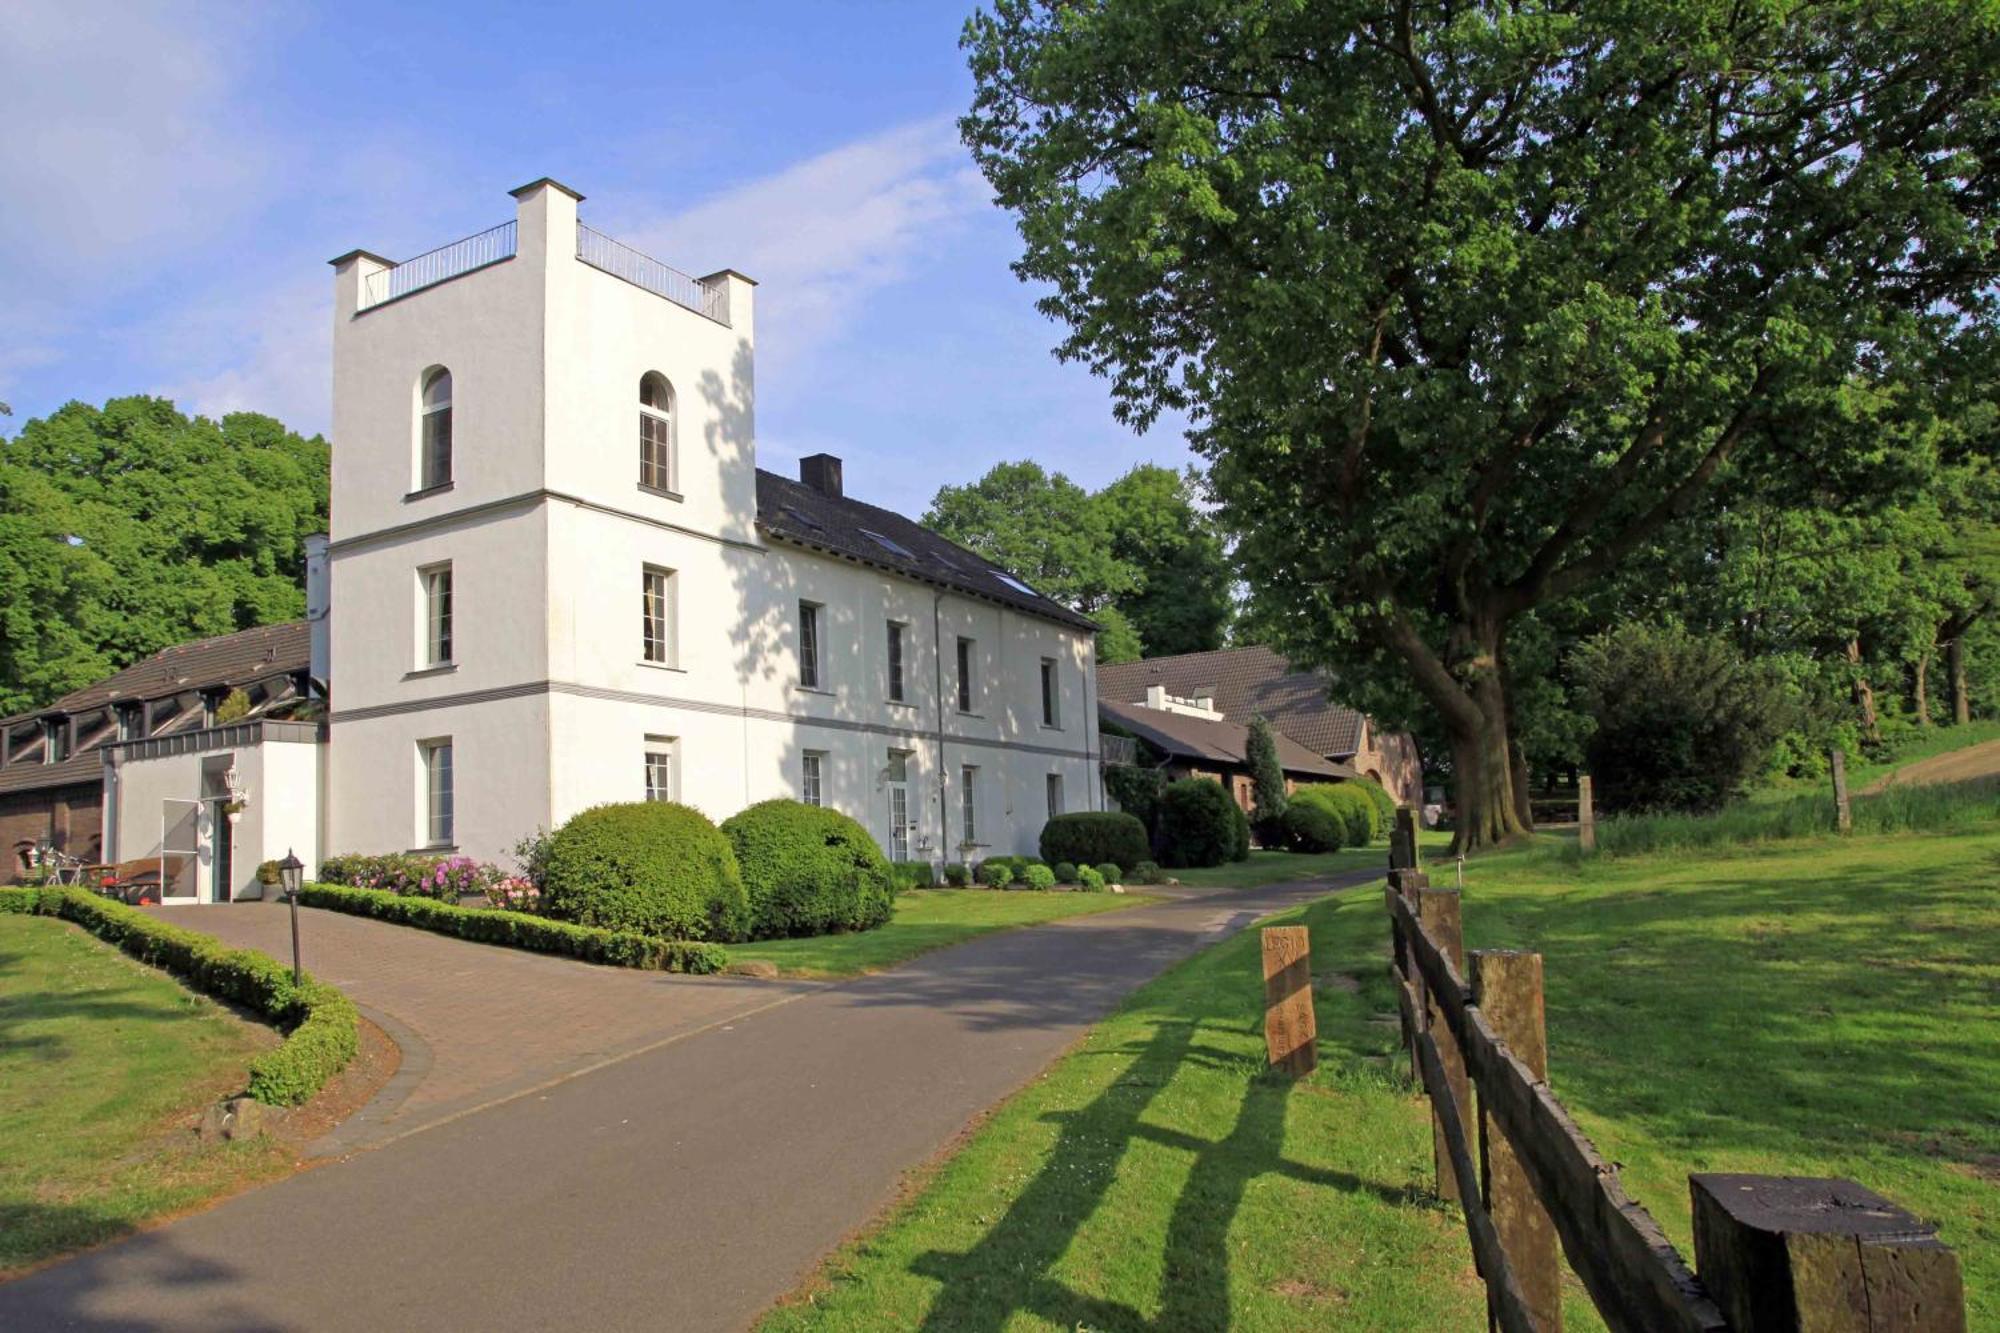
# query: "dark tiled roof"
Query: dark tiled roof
86,769
1217,741
1245,683
793,512
228,659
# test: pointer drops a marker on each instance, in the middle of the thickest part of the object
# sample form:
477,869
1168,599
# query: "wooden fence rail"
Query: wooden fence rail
1523,1168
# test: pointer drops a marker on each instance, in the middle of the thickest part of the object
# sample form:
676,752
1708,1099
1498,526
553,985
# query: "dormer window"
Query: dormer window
434,431
656,433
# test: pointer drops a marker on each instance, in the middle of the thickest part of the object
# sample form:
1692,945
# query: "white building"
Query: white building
558,579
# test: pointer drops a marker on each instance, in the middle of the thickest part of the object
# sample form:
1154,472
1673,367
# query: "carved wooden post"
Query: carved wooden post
1437,910
1507,987
1788,1254
1290,1030
1843,812
1586,814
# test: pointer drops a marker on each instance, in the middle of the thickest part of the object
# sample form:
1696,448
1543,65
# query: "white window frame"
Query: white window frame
662,759
440,413
661,648
1051,694
968,684
436,609
812,646
661,473
812,777
968,803
437,804
896,645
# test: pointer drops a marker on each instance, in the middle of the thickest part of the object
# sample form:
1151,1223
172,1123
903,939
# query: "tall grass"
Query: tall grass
1894,810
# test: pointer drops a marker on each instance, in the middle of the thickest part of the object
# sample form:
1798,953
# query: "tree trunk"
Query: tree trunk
1961,694
1920,690
1864,695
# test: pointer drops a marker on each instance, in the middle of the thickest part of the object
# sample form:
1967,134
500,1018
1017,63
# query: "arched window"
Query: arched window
656,432
434,458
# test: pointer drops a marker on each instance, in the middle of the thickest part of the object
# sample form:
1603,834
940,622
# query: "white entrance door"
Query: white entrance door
899,805
181,845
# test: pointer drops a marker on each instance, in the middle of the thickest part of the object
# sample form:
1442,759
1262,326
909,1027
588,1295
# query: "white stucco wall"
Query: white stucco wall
548,703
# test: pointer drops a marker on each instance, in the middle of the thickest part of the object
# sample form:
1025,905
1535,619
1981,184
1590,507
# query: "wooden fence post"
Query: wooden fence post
1586,814
1507,987
1291,1033
1787,1254
1437,912
1403,840
1843,812
1405,884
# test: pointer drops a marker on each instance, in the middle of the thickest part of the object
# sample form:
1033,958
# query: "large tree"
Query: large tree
1468,303
1186,594
1038,525
128,528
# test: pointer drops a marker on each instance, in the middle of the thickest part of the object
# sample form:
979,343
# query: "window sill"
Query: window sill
814,689
1047,727
663,666
425,493
433,849
662,492
900,703
977,717
442,669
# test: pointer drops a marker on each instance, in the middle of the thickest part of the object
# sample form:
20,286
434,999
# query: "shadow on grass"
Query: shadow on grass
1008,1271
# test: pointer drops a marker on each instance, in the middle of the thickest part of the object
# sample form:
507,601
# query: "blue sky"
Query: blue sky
177,176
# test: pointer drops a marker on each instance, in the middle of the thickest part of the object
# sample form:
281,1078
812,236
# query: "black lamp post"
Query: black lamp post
290,871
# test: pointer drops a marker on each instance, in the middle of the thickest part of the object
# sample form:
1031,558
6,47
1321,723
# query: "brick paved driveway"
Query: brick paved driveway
478,1023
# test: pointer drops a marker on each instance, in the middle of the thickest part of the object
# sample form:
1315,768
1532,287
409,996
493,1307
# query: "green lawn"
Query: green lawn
926,919
1821,1007
103,1066
1283,867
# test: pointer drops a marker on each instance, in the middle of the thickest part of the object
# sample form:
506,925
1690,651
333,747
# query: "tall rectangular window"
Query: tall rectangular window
811,770
436,583
1055,792
964,675
437,812
657,615
809,672
660,775
1051,694
895,662
968,790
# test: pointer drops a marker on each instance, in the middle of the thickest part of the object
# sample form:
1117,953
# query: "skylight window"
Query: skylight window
801,519
1016,584
888,544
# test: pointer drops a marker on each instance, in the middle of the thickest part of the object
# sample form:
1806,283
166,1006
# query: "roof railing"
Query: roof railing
599,251
435,266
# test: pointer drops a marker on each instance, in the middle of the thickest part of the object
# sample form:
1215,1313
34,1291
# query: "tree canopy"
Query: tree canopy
1471,305
128,528
1140,555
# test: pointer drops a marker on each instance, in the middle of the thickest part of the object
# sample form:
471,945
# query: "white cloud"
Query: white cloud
821,235
270,351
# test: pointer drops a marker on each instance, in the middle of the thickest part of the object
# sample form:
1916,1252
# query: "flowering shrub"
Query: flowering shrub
446,878
515,893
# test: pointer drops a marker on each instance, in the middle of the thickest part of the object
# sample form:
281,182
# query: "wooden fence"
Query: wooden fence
1775,1253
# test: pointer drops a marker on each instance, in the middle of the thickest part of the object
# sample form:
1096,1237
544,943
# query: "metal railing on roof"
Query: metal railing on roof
642,270
434,266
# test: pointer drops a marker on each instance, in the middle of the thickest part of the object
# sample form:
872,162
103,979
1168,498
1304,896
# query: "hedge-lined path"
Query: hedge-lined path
477,1023
686,1187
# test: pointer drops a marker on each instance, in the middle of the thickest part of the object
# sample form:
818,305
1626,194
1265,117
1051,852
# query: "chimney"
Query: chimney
318,603
821,472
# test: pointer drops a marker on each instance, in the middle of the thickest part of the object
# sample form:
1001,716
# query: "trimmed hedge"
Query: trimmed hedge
1111,872
320,1024
996,873
957,874
913,874
809,870
649,867
519,930
1198,823
1065,872
1385,804
1091,836
1088,880
1346,802
1311,827
1039,877
1146,872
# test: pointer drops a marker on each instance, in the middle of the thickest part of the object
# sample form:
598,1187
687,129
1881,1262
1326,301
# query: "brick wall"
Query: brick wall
72,817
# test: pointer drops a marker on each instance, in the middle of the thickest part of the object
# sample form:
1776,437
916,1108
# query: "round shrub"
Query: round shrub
1347,803
1090,836
1065,872
1311,827
1146,872
957,874
1088,880
1198,823
996,873
1039,877
648,866
809,870
1385,804
1112,874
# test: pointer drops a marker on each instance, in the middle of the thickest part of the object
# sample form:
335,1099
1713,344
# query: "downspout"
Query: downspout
937,667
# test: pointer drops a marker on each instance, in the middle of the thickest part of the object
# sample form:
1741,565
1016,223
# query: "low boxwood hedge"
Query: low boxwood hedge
519,930
1090,837
320,1024
809,870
